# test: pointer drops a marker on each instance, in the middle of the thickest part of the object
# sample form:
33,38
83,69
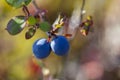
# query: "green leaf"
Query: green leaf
30,33
16,25
18,3
45,26
32,20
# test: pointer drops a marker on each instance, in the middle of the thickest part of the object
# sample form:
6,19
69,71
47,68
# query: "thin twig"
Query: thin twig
36,6
39,12
26,11
81,17
82,8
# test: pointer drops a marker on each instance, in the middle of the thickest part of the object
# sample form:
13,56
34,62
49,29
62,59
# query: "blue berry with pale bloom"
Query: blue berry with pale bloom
60,45
41,48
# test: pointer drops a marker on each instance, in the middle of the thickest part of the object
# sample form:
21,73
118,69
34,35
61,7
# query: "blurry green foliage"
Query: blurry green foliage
16,25
45,26
18,3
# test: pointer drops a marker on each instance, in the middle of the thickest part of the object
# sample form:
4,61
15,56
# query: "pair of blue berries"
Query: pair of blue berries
42,48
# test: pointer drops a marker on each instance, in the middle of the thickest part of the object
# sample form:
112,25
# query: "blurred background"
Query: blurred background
95,57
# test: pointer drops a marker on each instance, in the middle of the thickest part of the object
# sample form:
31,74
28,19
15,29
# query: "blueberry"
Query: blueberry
41,48
60,45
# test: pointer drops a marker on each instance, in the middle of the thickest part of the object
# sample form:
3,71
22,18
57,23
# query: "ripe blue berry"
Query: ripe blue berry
60,45
41,48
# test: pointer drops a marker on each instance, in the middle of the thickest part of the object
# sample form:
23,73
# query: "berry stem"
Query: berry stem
49,38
